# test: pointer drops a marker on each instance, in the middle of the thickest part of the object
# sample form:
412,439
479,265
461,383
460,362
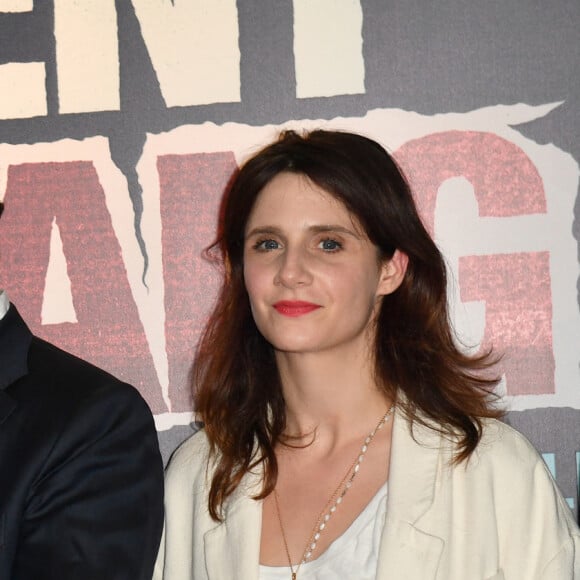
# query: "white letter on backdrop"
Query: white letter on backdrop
21,83
87,56
22,86
328,48
194,49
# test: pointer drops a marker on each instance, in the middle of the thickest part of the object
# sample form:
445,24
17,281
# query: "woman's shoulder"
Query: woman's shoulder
504,454
507,469
190,459
501,442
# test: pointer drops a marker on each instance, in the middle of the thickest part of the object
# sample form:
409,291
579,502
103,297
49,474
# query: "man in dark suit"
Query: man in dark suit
81,476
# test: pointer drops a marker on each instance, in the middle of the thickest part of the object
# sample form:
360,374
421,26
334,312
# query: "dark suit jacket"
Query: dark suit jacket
81,477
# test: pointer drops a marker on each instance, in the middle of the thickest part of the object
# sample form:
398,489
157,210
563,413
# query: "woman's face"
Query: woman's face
313,277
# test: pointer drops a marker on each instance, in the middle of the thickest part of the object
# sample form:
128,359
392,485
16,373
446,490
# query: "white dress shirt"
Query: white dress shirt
4,304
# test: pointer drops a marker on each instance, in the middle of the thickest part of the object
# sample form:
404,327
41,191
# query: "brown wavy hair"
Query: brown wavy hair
237,387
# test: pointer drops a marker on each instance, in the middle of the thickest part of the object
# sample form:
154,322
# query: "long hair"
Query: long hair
237,387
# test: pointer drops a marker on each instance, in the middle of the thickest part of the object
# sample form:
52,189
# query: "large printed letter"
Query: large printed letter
328,48
191,190
505,184
518,313
505,180
109,332
21,83
87,57
194,49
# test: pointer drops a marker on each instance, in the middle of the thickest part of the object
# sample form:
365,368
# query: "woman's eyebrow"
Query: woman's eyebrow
329,228
264,230
315,229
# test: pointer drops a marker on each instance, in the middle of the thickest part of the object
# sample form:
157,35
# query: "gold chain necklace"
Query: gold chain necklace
333,502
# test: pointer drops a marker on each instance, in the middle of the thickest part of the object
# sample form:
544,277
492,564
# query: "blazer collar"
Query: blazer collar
232,548
407,549
15,339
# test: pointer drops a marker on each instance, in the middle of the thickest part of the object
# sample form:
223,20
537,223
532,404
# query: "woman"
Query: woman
346,435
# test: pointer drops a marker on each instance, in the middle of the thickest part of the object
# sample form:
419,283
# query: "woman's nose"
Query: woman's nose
293,269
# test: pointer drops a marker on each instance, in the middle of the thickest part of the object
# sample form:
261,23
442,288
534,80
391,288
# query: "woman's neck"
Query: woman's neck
330,396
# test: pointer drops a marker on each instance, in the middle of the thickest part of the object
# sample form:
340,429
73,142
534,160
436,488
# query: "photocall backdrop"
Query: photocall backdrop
121,122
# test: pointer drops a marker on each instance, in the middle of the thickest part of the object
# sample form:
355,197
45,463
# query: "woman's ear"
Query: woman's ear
392,273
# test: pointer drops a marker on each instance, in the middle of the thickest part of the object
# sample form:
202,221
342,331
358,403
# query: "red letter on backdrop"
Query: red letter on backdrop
191,191
109,332
518,314
506,183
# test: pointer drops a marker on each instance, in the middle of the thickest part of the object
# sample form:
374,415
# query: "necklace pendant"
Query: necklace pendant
334,501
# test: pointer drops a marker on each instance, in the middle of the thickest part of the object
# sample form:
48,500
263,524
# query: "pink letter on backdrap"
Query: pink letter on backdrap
191,191
516,287
518,314
505,180
109,332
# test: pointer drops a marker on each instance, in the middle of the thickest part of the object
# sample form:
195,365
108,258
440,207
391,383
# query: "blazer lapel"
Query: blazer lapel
232,548
15,339
408,551
7,405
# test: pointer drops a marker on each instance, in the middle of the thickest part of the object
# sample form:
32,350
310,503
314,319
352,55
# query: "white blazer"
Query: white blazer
498,517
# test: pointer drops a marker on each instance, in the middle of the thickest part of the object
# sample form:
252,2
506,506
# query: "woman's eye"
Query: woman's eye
330,245
266,245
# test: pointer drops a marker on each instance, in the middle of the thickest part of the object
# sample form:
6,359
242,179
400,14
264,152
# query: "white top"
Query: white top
354,554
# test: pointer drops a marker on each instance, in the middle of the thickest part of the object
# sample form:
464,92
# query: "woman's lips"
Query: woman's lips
295,307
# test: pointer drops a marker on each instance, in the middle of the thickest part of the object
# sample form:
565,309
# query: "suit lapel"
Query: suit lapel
15,339
232,548
7,405
407,550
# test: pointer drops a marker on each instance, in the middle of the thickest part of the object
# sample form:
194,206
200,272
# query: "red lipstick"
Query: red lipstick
295,307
